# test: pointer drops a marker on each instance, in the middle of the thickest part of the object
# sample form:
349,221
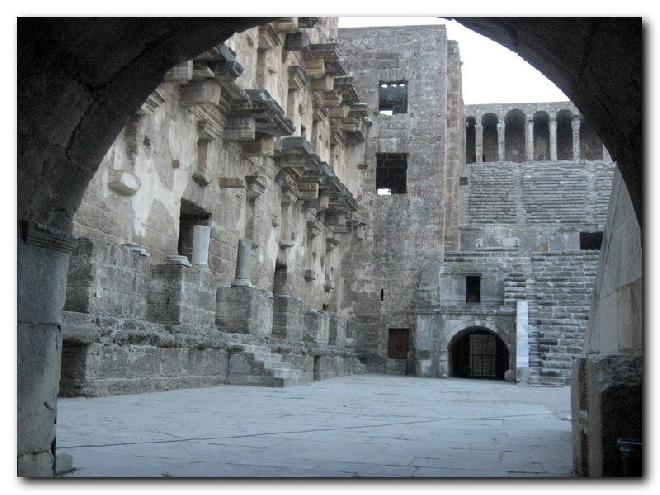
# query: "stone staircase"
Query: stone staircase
492,194
253,364
562,290
556,192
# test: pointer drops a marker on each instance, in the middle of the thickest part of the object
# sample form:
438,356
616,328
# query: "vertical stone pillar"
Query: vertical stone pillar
42,263
530,139
500,141
522,341
575,126
243,261
201,240
479,143
553,138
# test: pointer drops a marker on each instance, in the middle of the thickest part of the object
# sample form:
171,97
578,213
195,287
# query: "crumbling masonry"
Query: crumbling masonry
303,202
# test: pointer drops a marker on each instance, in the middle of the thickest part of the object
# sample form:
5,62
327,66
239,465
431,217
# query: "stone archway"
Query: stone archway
478,352
80,79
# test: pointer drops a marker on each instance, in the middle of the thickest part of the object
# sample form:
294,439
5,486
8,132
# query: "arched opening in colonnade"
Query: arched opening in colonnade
541,136
514,136
490,146
591,147
564,135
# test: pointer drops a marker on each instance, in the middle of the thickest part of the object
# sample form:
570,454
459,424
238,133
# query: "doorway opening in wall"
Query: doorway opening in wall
478,353
189,216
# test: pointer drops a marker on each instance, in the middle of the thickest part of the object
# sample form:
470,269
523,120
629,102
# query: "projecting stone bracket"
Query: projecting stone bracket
123,182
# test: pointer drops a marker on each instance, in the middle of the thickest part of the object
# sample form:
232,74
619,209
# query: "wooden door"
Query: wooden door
483,352
398,343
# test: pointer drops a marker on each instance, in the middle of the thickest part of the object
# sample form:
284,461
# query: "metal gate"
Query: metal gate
483,352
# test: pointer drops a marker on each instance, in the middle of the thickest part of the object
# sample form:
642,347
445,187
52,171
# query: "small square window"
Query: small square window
393,97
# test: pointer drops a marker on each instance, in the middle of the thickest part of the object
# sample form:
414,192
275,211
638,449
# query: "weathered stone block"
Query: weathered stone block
244,310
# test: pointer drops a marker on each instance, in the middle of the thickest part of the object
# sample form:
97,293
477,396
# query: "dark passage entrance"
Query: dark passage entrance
478,353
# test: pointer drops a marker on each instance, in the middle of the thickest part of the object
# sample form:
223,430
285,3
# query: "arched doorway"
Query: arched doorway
477,352
541,136
564,135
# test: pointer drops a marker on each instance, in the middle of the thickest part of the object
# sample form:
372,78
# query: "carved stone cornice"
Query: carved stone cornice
40,235
153,101
344,84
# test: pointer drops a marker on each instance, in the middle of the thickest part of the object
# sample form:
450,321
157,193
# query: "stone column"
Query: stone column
500,141
522,341
553,138
479,143
530,139
42,263
201,239
243,261
575,126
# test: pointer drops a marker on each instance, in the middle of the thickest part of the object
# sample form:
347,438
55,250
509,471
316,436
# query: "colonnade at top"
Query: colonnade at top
499,133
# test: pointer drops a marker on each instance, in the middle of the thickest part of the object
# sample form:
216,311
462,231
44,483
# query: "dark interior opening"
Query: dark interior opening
514,136
473,289
393,97
590,241
391,172
490,142
478,353
470,140
398,343
74,364
190,215
564,135
316,374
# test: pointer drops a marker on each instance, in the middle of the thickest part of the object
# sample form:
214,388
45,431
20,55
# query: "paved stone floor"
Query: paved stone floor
368,425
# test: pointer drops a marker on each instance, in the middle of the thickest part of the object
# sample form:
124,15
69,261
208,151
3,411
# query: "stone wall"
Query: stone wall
404,230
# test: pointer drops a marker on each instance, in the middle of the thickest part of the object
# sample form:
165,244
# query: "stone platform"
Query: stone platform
358,426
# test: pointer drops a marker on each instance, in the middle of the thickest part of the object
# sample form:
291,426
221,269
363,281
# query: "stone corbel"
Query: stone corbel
296,42
331,243
256,185
285,24
297,78
307,22
153,101
180,73
123,182
240,128
201,92
268,38
310,275
314,229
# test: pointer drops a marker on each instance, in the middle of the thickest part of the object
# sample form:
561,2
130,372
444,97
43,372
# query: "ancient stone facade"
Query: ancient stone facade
211,238
303,202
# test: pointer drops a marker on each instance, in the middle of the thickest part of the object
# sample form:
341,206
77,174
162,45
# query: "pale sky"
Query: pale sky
491,73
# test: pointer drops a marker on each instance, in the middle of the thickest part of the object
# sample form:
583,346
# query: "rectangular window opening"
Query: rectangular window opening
473,289
391,169
382,294
590,241
392,97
